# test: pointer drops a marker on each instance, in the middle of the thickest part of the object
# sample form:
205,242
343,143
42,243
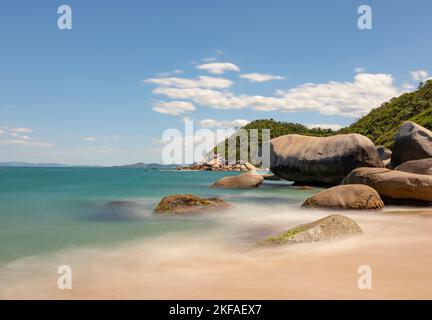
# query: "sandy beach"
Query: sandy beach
223,265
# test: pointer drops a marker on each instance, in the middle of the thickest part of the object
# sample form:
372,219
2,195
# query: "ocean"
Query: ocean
51,217
48,209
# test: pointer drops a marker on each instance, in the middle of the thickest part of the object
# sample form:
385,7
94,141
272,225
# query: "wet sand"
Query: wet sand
221,264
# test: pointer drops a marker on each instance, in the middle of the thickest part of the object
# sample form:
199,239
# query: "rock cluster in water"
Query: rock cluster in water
220,165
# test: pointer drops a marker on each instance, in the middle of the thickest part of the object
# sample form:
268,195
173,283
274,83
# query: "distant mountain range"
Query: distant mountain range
42,165
147,166
150,166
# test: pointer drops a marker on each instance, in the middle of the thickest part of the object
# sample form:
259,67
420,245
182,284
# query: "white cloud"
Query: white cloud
218,67
26,142
22,130
209,59
112,138
200,82
359,70
16,136
205,97
174,107
260,77
350,99
325,126
420,75
211,123
89,139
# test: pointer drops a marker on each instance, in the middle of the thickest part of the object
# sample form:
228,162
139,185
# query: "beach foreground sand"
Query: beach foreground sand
206,266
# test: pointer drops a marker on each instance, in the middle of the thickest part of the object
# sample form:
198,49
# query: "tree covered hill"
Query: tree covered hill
380,124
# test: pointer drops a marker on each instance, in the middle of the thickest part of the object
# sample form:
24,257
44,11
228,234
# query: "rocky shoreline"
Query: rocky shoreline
218,165
361,176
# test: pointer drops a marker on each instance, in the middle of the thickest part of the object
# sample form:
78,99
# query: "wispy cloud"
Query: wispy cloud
90,139
22,130
20,137
420,75
218,67
350,99
260,77
112,138
26,142
200,82
174,107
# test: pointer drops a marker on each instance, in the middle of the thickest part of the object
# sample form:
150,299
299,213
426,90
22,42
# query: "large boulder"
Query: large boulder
412,142
332,227
325,160
245,180
423,166
384,153
350,196
393,184
189,203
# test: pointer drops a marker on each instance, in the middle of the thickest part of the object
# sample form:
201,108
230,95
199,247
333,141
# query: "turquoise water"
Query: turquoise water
43,210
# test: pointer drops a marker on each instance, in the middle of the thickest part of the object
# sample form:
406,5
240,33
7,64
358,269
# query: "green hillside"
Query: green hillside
380,124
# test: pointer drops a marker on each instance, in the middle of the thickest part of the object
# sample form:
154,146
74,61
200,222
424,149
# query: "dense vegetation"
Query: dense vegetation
277,129
380,124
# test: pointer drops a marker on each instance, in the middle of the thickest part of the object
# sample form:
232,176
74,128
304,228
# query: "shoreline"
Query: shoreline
218,264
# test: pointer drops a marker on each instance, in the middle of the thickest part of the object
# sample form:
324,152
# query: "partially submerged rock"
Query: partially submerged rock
393,184
245,180
350,196
423,166
412,142
189,203
120,204
118,210
332,227
324,160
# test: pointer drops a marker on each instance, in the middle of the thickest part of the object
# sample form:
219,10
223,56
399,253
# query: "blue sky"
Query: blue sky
94,94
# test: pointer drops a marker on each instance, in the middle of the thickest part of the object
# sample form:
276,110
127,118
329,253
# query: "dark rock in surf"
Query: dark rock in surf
188,204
